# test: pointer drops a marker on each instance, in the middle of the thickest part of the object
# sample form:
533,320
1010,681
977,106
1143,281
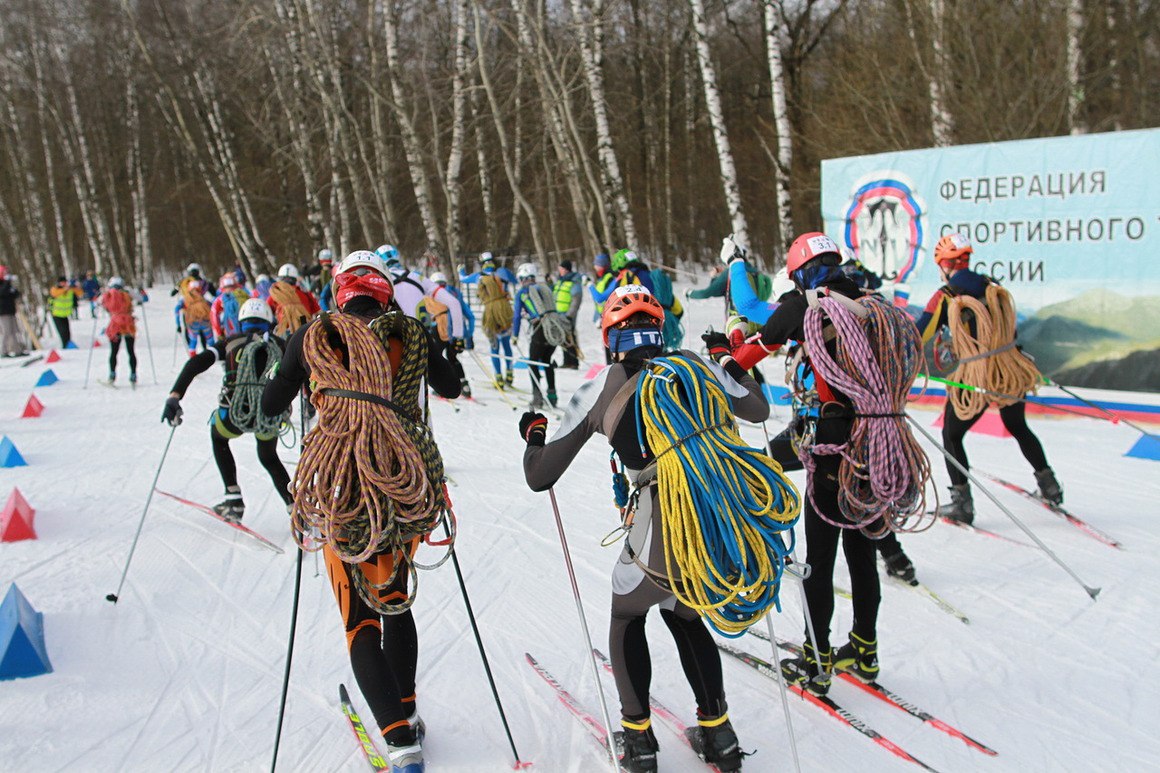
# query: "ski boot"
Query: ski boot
898,565
858,657
406,759
133,379
1049,489
636,746
552,398
808,671
499,382
509,378
714,741
231,508
113,378
464,387
961,508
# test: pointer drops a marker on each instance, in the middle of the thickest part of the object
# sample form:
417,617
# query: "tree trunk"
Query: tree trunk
458,131
1075,86
783,169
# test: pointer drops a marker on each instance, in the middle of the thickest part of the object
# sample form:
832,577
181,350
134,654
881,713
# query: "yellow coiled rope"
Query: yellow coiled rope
989,359
722,504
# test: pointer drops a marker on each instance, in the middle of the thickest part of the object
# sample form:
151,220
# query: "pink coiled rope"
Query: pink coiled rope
883,475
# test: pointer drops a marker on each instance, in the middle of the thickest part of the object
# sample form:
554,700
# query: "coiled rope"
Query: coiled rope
723,505
370,478
883,474
989,358
245,404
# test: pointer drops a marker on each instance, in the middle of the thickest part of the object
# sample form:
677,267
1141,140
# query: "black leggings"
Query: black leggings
1014,418
541,351
267,455
62,328
114,347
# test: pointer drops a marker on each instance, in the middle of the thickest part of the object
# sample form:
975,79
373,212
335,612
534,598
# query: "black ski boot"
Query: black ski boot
1049,488
858,657
715,742
898,565
961,508
464,387
133,379
808,671
552,398
231,508
636,746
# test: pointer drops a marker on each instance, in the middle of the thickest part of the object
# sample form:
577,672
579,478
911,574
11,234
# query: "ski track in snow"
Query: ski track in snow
184,673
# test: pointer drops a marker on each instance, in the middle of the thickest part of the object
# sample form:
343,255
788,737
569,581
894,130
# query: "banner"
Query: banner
1070,225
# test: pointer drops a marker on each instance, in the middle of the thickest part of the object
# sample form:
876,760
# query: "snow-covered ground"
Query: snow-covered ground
184,673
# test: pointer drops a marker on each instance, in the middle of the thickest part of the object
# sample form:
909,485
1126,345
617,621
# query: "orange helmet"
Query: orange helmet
807,247
953,248
627,301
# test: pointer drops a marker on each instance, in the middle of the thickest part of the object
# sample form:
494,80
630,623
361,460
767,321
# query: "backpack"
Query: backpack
723,504
196,306
229,317
497,308
289,309
435,316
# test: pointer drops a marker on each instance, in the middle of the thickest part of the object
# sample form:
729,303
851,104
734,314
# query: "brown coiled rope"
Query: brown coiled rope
370,476
988,359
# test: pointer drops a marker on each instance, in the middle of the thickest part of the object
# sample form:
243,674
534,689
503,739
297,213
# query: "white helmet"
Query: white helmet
362,258
438,278
192,269
256,308
288,271
388,252
526,271
325,255
117,282
484,257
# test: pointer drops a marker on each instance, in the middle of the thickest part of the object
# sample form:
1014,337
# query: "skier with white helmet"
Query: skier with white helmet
246,358
291,305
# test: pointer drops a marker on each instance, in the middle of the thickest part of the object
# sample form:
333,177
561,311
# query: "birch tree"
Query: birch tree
1075,91
783,168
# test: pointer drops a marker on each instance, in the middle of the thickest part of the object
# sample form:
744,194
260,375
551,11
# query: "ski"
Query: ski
888,696
31,360
209,511
377,761
443,399
981,531
667,716
918,587
825,703
595,729
1067,515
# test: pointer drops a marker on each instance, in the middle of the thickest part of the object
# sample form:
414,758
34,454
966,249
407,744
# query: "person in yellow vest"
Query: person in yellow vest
568,293
62,302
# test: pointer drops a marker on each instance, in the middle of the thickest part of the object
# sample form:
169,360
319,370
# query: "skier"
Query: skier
631,326
383,646
194,309
568,292
1002,359
62,302
813,264
410,287
246,358
9,333
631,270
91,287
323,288
549,330
119,304
223,312
600,288
291,305
493,283
444,313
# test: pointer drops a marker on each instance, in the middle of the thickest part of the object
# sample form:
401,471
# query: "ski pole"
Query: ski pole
289,658
89,361
502,393
1002,396
1115,418
479,642
114,597
148,342
537,387
797,763
584,626
1092,592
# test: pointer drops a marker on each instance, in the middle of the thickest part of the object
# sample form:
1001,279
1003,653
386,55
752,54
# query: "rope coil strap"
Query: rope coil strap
883,472
370,478
723,506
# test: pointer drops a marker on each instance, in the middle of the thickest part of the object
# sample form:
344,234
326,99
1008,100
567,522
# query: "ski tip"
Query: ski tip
521,765
342,693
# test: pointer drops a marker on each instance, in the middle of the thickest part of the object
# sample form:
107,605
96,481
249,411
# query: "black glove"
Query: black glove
172,412
717,343
457,345
534,428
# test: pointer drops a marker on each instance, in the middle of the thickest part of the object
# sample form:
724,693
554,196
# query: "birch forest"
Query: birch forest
137,136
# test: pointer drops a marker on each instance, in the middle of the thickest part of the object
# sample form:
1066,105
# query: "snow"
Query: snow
185,672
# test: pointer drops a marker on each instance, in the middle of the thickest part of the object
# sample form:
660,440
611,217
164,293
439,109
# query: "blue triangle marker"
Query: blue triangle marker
71,345
48,378
22,650
1147,447
9,456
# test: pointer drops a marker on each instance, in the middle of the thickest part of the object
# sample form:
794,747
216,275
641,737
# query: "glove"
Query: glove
172,412
457,345
534,428
731,250
717,344
460,270
179,328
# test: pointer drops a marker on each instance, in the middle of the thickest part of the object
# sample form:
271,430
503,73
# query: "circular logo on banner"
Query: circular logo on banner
884,224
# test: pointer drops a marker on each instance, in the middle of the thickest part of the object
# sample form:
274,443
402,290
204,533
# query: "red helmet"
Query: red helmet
627,301
953,249
807,247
